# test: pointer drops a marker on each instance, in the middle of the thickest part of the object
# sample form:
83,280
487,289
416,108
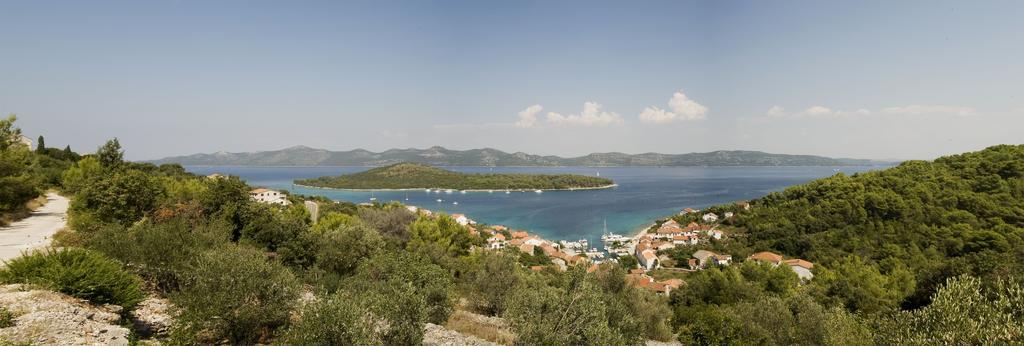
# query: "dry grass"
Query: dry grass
472,324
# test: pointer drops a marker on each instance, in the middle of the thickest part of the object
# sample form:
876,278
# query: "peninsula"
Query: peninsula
420,176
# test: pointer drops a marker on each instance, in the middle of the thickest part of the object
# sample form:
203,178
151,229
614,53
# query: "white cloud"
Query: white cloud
931,110
682,109
528,116
592,115
819,112
776,111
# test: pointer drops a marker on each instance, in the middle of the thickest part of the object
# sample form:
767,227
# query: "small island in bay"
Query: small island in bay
420,176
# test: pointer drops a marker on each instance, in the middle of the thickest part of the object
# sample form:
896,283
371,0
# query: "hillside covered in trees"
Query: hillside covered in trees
418,176
922,253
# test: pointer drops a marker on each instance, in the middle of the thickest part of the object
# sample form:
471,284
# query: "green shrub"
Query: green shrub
340,319
77,272
159,252
6,318
234,293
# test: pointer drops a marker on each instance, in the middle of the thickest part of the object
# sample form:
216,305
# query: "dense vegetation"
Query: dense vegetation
923,253
417,176
26,173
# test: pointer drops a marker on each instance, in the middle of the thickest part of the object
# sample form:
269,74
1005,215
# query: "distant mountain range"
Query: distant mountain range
439,156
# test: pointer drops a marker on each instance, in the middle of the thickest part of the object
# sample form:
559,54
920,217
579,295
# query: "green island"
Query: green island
420,176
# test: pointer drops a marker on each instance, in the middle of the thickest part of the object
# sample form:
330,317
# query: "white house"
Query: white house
648,259
461,219
496,242
715,234
710,217
728,214
269,196
801,267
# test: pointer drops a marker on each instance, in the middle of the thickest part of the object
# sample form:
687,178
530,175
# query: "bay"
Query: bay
643,194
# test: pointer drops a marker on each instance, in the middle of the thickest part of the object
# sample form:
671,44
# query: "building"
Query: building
801,267
728,215
216,176
269,196
520,234
710,217
23,140
461,219
648,259
766,257
496,242
715,234
705,258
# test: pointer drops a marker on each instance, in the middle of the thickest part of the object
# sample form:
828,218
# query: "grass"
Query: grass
465,323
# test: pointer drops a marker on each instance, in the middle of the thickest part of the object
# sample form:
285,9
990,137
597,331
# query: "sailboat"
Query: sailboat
372,198
407,195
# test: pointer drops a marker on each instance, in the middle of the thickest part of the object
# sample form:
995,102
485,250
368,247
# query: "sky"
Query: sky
864,79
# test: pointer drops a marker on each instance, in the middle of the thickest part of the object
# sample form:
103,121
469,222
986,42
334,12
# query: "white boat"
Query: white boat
455,203
463,192
439,200
507,192
490,191
427,190
539,191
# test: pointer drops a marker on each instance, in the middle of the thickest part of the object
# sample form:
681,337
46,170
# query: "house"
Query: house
766,257
269,196
705,257
495,242
216,176
663,245
461,219
801,267
23,140
499,228
710,217
688,211
648,259
669,229
744,205
520,234
728,215
715,234
685,239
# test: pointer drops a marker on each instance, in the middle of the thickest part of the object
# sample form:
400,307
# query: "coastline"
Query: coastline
467,190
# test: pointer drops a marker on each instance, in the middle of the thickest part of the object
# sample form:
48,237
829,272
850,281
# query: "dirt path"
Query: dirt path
35,231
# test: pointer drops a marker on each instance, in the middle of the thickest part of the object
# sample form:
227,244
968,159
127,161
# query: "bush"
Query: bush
6,318
77,272
340,319
159,252
234,293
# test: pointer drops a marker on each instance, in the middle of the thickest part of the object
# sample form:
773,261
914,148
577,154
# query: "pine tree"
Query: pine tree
41,146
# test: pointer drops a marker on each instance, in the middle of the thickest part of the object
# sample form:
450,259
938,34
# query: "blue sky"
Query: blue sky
865,79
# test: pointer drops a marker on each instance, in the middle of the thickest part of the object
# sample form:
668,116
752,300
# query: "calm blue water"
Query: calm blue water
643,195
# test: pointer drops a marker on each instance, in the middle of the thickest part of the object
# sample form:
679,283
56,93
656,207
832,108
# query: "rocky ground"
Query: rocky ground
43,317
49,318
435,335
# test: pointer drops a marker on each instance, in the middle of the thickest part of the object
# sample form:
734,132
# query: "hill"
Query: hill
917,224
419,176
439,156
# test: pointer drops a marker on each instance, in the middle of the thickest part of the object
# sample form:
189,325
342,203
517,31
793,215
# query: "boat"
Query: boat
539,191
439,200
427,190
455,203
463,192
490,191
507,192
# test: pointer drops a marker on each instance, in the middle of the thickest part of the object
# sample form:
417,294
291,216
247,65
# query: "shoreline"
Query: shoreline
455,190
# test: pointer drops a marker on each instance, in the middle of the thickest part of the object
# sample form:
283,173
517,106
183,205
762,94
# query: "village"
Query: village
642,255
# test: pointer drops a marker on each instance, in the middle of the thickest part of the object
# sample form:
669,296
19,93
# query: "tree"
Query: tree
122,197
68,153
9,134
110,154
41,146
17,185
442,233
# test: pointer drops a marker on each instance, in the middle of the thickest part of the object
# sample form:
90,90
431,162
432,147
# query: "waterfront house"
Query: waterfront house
461,219
526,248
269,196
801,267
689,211
715,234
766,257
685,239
663,245
520,234
710,217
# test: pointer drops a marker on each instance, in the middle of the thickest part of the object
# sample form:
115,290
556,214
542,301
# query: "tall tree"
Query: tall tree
110,154
8,133
41,146
67,152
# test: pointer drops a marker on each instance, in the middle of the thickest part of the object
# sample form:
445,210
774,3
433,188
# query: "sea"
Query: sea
643,194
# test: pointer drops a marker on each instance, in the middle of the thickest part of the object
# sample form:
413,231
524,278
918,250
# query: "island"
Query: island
420,176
